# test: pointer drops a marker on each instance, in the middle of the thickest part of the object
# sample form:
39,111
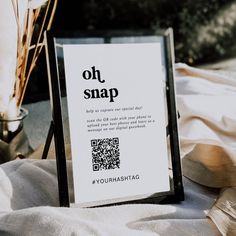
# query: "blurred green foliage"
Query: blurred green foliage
204,31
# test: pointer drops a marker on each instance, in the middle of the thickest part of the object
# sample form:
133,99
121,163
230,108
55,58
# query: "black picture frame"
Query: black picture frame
55,39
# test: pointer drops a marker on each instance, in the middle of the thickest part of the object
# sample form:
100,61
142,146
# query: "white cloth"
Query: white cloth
27,185
206,103
207,127
207,136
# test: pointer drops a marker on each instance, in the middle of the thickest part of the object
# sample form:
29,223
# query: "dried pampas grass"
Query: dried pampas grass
18,55
34,4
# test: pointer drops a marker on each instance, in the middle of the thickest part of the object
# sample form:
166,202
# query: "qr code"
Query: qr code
105,154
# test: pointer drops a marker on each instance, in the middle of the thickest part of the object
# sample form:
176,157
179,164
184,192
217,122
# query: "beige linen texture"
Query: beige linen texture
207,128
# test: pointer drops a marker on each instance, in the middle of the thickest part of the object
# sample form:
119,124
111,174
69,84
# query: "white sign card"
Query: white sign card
117,115
122,115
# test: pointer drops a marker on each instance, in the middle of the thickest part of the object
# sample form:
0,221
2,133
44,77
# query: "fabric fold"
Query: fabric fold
207,125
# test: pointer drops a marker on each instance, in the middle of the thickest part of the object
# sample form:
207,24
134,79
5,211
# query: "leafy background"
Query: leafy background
204,31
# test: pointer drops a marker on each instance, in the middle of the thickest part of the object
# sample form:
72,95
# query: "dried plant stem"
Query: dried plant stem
16,13
37,49
26,41
34,46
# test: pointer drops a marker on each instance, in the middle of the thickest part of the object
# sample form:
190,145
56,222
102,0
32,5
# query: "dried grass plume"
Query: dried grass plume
21,21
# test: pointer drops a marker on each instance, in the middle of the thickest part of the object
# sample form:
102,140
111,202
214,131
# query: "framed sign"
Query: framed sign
122,116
